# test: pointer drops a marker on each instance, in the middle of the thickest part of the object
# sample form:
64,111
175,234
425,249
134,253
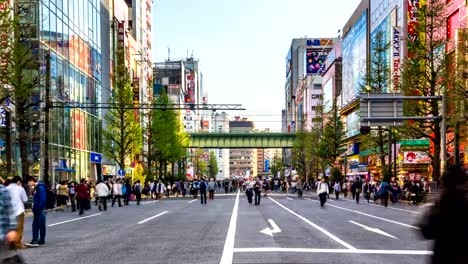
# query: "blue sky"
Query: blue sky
242,45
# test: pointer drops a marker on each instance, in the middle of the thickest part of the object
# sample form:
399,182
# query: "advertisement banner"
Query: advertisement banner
108,170
354,59
416,157
385,29
315,60
414,7
352,124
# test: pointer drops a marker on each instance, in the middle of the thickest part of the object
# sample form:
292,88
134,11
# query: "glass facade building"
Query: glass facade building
71,31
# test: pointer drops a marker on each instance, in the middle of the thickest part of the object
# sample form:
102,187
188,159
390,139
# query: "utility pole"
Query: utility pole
46,119
8,142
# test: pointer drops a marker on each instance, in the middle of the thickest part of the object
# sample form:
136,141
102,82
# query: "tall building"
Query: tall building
305,63
71,32
220,124
242,162
182,80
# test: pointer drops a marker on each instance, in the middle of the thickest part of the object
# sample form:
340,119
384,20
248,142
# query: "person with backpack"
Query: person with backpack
126,191
322,191
196,186
203,186
137,191
384,192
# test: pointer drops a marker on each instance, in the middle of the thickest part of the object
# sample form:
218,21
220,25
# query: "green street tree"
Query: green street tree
213,165
19,78
303,152
167,143
377,80
123,134
331,137
277,165
201,167
426,73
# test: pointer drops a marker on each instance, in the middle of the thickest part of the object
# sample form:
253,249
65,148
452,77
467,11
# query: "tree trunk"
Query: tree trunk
23,144
436,159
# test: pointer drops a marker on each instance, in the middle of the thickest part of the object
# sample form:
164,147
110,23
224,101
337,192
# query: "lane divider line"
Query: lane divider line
148,202
228,251
346,245
153,217
326,250
372,216
76,219
290,199
193,200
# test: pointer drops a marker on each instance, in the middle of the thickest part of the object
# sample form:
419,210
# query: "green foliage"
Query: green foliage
331,137
19,74
336,175
213,165
276,165
167,141
123,135
426,73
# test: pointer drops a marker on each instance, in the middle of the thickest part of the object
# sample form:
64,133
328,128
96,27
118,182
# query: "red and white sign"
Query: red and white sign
121,32
415,157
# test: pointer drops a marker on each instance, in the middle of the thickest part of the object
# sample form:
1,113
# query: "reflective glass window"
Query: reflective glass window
53,30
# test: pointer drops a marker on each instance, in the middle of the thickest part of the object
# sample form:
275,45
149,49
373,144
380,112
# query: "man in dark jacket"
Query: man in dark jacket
203,187
258,191
82,195
39,219
446,221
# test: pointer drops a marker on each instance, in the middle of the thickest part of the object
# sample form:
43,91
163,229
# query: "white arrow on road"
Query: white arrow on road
270,232
375,230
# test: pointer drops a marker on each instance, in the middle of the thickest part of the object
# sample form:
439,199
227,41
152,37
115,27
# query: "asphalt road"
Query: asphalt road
228,230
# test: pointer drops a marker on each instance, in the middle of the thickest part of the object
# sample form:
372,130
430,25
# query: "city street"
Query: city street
283,229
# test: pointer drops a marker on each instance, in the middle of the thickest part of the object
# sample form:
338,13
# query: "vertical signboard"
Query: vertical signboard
121,32
396,58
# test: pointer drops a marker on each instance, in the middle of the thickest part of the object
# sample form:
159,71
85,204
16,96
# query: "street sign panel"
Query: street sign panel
381,110
121,172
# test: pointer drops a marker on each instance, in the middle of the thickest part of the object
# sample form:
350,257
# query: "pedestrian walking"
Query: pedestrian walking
160,189
137,191
344,189
127,190
322,191
258,191
211,188
62,192
265,187
384,192
117,191
196,187
337,189
72,195
8,233
300,188
203,186
83,196
18,198
446,221
358,185
102,191
352,188
395,190
152,189
39,216
367,189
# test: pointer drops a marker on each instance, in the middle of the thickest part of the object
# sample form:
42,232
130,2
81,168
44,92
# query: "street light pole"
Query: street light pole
46,119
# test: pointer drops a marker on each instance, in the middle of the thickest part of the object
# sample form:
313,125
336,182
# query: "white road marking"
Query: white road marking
326,250
148,202
373,216
289,198
153,217
375,230
307,199
76,219
346,245
193,200
270,232
393,208
228,252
